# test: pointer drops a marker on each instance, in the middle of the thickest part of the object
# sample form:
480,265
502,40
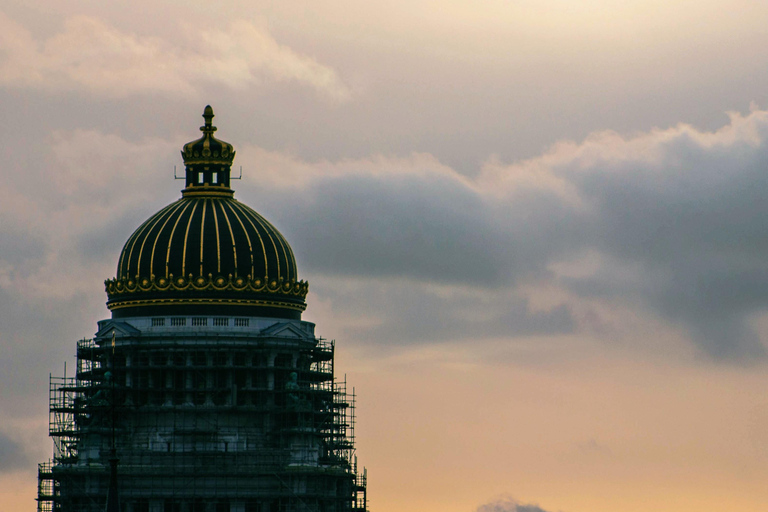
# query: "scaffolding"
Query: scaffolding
209,424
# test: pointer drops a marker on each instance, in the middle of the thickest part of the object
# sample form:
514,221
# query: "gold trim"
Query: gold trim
193,155
231,235
120,286
218,241
135,237
157,218
186,236
280,239
250,246
261,241
170,238
202,232
157,237
290,264
207,302
197,191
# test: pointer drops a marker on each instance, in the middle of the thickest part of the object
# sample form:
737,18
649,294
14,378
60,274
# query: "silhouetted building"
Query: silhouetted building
205,391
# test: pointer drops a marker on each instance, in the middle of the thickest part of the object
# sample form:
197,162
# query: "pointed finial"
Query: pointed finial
208,116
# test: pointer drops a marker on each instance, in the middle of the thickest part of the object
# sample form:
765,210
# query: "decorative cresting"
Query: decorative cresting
207,252
208,161
237,284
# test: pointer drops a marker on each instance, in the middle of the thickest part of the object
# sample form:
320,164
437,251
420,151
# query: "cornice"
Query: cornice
113,304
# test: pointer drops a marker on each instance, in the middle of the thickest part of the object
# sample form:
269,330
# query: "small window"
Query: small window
200,177
178,322
215,178
158,322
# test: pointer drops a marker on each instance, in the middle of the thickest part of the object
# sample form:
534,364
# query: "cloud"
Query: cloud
394,313
671,222
90,55
12,455
509,505
405,217
685,210
70,217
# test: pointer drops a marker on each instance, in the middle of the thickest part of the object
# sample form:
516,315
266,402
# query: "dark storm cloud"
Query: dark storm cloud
433,230
684,210
430,227
681,209
509,505
695,221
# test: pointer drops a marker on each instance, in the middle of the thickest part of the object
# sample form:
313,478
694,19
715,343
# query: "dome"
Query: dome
207,253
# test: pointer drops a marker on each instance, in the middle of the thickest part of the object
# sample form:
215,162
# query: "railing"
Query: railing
45,487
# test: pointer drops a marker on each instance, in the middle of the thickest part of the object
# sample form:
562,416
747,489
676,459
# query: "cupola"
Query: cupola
208,161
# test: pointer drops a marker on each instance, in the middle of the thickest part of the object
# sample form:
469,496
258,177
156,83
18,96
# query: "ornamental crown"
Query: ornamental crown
208,150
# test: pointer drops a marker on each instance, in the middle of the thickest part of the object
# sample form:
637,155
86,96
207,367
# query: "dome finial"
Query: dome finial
208,116
208,161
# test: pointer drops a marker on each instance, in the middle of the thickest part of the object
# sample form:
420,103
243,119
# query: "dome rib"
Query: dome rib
132,240
202,235
261,241
170,237
259,219
157,237
269,235
149,233
231,234
218,239
186,240
290,261
252,273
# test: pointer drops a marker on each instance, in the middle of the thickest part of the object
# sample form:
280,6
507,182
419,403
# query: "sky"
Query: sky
536,229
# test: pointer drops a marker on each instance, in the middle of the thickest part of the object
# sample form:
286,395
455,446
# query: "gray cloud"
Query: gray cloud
682,209
509,505
402,312
671,221
403,227
689,213
12,455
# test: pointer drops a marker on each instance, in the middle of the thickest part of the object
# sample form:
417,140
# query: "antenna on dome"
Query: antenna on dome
177,177
238,177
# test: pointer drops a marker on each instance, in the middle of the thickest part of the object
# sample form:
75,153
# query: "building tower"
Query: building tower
205,391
